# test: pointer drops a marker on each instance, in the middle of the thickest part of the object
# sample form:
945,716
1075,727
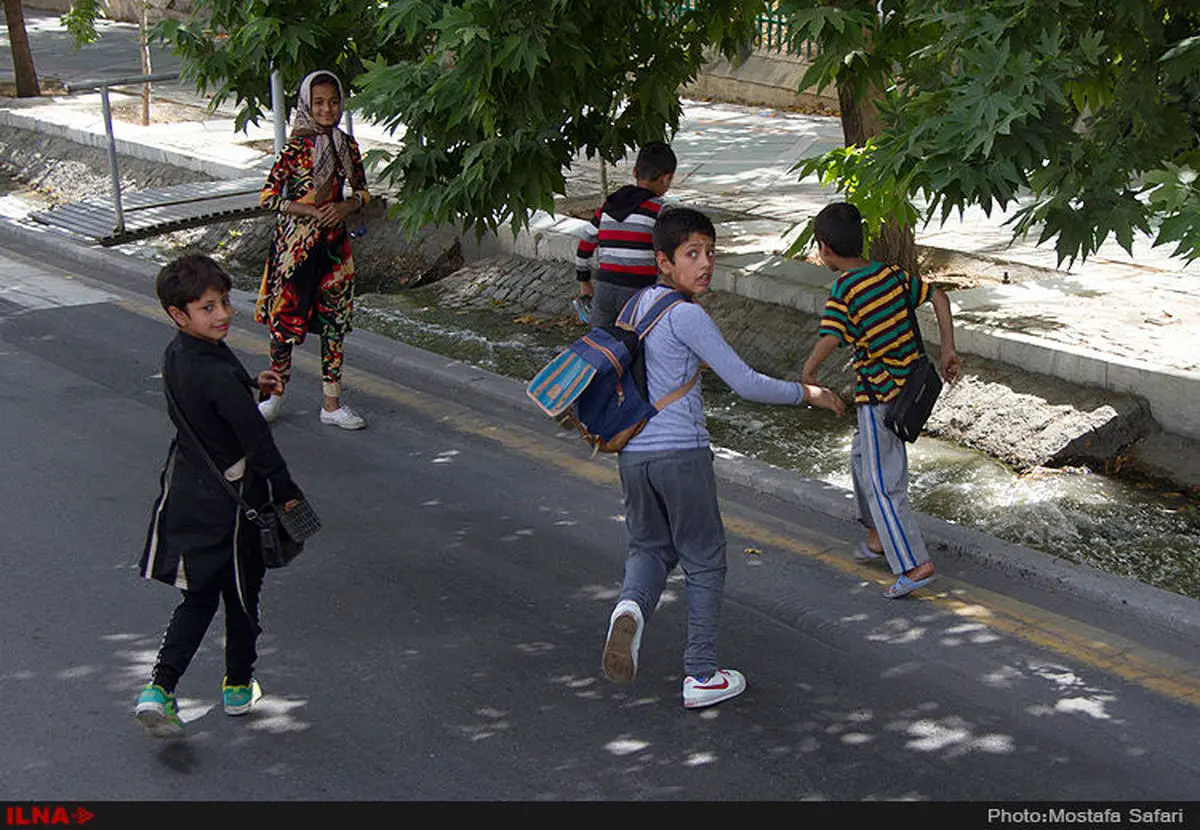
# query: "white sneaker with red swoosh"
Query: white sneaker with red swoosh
722,685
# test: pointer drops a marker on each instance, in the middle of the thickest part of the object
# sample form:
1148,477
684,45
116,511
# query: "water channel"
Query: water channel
1125,527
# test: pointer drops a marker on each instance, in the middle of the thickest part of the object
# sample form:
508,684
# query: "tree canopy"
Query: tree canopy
494,98
1082,114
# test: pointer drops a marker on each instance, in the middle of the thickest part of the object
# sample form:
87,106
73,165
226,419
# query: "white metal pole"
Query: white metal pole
278,111
112,161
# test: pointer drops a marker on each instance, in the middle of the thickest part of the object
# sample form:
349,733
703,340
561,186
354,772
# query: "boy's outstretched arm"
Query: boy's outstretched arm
238,410
824,347
951,365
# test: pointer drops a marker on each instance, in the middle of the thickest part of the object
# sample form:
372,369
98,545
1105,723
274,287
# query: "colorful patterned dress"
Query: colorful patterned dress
308,282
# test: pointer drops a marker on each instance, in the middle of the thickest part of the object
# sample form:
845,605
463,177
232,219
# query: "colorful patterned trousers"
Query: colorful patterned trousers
332,352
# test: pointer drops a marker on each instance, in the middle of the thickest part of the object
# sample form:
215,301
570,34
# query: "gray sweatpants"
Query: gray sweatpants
672,517
879,469
607,302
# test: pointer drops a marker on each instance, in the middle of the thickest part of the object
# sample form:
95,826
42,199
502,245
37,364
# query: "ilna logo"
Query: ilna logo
21,816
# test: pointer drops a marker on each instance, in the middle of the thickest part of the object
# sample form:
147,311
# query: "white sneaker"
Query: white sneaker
343,417
623,641
270,407
722,685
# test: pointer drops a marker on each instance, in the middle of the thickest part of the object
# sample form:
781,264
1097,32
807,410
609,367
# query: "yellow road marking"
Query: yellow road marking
1079,641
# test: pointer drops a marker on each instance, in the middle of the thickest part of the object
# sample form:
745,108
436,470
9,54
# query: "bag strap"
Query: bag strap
657,311
173,406
650,319
906,286
647,322
912,317
625,318
668,399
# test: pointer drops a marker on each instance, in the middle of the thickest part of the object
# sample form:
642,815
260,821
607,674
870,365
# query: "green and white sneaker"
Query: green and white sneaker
157,711
239,700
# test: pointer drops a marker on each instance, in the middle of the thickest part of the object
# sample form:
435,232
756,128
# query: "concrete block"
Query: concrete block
970,340
1019,350
1174,396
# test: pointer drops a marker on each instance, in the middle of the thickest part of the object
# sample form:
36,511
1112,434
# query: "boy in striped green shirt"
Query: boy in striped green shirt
867,310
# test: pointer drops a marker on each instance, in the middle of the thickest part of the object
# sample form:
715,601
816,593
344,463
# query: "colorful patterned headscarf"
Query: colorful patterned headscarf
332,145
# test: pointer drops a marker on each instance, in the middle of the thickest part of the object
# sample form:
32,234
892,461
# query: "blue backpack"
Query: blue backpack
598,383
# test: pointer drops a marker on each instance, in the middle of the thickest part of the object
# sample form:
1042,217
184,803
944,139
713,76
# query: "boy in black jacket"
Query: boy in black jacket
198,540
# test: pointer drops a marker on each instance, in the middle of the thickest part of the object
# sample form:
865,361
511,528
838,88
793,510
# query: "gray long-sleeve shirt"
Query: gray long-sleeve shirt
675,348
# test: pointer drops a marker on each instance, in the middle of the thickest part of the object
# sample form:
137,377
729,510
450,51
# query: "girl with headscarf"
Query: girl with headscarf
308,281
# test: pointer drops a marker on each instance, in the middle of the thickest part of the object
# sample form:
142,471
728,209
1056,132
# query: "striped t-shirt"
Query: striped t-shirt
866,310
622,230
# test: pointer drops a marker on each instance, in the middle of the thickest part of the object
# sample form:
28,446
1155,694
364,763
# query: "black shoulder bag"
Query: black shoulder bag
910,410
281,532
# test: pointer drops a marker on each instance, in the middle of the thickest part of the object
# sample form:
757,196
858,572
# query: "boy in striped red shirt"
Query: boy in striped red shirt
622,231
867,310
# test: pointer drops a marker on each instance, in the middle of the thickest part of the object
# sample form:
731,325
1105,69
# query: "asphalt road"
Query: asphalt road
440,639
113,55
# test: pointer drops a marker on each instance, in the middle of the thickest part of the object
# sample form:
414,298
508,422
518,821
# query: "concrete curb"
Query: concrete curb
1114,593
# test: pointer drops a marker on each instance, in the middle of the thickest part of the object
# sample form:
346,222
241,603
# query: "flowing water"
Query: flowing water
1124,527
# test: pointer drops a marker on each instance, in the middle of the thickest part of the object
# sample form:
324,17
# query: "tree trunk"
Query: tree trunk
22,57
144,49
860,121
897,246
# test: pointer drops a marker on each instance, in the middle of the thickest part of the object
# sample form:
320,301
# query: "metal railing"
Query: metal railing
106,108
119,211
772,33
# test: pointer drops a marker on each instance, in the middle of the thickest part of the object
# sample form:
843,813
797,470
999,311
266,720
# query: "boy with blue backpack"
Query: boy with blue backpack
666,467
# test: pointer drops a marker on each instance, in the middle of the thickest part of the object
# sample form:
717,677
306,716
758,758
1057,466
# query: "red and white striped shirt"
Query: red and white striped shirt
622,229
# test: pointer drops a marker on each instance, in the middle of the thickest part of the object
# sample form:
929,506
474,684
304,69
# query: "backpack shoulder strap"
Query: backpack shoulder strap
625,318
657,311
670,398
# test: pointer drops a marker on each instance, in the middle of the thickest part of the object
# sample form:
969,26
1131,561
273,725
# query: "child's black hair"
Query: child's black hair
675,225
186,278
654,160
840,226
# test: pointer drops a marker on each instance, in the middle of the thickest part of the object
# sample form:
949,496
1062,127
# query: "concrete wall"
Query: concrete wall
764,79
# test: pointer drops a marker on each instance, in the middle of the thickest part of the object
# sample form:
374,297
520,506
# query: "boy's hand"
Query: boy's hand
585,288
824,398
951,365
270,383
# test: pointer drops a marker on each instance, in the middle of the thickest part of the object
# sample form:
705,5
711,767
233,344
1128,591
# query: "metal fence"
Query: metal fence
772,33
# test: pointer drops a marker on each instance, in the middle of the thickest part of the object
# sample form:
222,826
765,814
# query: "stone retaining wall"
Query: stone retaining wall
1024,419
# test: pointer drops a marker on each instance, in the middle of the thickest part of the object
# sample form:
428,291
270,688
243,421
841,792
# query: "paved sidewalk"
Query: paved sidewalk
1129,324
